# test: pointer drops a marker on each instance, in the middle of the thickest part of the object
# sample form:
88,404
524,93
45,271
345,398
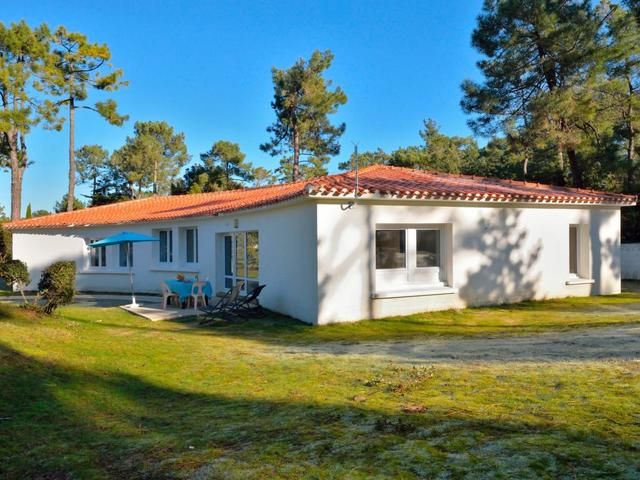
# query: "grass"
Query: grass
99,393
515,319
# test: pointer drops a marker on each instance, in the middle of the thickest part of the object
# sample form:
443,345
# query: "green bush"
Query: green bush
57,285
5,244
15,272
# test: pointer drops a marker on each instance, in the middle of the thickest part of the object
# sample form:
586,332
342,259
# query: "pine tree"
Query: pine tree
538,60
75,67
150,160
22,54
92,164
302,135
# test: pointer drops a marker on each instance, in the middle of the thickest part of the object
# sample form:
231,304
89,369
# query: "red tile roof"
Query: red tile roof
375,181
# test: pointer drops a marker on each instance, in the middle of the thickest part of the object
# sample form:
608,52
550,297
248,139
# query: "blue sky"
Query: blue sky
205,67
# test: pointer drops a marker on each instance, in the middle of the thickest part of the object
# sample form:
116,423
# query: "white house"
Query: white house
408,241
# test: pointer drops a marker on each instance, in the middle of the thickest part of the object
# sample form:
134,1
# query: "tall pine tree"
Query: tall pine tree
302,134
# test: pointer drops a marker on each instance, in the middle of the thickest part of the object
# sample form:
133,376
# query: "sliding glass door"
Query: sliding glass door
241,260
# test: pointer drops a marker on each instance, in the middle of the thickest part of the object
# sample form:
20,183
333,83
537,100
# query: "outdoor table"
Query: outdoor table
183,288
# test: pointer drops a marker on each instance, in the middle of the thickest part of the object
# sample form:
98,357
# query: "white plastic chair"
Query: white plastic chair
197,293
167,295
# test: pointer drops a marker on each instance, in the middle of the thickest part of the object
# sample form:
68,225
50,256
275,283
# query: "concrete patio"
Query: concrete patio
150,306
154,311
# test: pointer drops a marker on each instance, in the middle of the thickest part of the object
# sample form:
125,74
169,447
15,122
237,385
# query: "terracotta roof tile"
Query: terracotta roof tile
374,181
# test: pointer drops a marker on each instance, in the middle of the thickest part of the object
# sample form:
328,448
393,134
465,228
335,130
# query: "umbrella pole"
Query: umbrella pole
133,297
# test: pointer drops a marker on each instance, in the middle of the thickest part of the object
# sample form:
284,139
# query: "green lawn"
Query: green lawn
99,393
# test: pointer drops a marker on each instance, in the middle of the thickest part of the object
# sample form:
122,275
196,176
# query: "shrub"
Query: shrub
15,272
5,244
57,285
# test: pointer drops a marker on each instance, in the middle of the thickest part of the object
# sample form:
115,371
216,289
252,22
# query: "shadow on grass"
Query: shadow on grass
61,422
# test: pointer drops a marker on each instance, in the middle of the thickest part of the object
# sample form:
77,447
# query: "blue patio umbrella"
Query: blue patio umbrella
129,239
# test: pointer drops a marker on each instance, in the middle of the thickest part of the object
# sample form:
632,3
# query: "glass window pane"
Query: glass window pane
253,258
189,234
573,250
164,244
123,247
427,248
170,245
103,256
390,249
228,283
240,250
228,255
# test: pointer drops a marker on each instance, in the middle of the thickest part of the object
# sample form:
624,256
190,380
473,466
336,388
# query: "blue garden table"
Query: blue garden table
183,288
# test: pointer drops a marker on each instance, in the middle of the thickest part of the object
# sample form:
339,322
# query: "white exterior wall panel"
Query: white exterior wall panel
499,254
287,248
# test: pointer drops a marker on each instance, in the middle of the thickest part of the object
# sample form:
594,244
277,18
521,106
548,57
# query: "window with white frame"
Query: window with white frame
391,249
191,245
411,256
573,250
579,251
242,260
125,252
97,256
165,246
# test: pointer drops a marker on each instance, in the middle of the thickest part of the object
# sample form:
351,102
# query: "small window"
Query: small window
573,250
192,245
427,248
390,249
124,248
165,246
98,256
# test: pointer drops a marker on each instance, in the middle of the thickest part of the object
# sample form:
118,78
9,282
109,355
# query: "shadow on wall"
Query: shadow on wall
94,421
352,240
604,254
508,270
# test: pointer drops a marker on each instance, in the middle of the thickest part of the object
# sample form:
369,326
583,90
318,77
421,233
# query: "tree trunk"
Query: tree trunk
17,170
155,177
16,185
296,157
631,140
576,169
72,159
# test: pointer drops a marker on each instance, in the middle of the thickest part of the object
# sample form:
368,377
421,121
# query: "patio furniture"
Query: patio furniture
167,295
225,306
197,293
250,305
184,289
128,239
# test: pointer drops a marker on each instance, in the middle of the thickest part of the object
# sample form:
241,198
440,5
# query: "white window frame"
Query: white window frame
101,253
122,249
169,246
582,247
194,259
411,276
235,276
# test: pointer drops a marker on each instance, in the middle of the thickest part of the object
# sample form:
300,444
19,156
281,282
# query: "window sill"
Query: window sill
104,272
173,268
580,281
418,291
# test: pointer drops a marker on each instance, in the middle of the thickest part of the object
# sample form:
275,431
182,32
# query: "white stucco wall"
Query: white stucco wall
630,254
318,260
498,255
287,245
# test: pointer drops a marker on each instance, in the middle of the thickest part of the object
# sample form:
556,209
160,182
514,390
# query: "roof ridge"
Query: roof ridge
505,180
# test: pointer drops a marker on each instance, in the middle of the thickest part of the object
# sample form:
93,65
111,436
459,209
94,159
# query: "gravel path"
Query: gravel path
607,343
